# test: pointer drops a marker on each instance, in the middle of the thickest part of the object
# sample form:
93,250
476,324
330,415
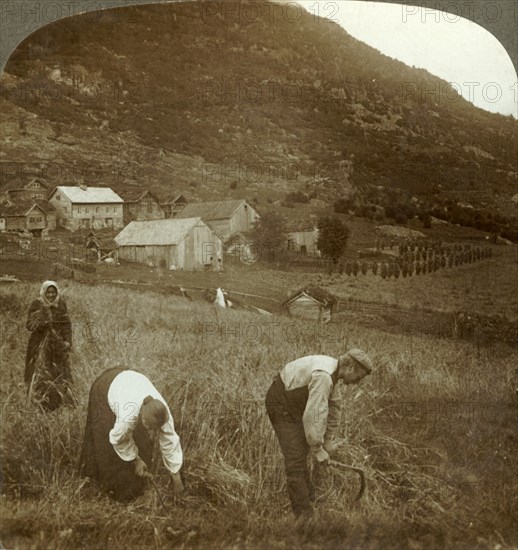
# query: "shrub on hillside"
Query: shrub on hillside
296,196
342,206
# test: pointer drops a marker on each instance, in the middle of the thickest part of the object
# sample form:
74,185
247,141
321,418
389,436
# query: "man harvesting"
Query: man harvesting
304,407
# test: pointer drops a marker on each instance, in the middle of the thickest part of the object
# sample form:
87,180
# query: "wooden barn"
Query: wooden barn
311,303
226,218
23,216
187,244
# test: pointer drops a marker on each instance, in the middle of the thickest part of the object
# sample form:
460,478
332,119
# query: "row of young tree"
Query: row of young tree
417,263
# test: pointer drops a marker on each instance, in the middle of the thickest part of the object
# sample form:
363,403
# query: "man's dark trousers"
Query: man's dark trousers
285,410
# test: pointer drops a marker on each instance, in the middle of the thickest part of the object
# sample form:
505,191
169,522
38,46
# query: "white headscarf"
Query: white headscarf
43,290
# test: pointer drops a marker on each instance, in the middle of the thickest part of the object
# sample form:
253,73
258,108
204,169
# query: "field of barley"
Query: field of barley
435,429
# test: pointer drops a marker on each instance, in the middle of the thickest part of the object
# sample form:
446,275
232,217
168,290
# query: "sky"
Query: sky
447,45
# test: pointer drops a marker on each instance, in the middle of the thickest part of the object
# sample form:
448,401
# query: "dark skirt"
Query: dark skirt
47,371
99,461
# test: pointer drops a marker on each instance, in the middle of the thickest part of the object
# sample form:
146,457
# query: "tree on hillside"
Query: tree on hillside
332,237
269,232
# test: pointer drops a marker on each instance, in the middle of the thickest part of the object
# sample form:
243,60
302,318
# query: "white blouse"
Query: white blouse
125,396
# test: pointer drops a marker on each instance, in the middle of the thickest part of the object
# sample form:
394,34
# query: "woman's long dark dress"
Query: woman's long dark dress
47,367
99,461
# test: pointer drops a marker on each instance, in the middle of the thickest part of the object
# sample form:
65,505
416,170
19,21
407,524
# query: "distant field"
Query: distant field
487,287
435,429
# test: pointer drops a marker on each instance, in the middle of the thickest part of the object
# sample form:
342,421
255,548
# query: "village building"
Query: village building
14,199
140,204
82,207
303,240
225,218
50,212
35,189
173,205
187,243
23,216
311,303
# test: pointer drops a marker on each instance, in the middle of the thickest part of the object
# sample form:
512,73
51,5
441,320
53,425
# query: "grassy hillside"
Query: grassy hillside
178,98
486,287
434,429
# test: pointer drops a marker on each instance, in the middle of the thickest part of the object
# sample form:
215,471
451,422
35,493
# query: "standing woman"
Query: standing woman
47,368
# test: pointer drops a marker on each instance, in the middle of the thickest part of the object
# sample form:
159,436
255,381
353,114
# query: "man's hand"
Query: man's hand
177,483
141,468
331,445
322,457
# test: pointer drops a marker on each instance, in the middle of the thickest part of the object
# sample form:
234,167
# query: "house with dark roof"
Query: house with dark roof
173,204
82,207
140,204
23,216
36,189
310,303
185,243
225,218
46,206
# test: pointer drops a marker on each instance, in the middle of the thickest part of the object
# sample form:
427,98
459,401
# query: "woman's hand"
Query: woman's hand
141,468
177,483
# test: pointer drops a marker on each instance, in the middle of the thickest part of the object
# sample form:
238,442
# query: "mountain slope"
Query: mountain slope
172,98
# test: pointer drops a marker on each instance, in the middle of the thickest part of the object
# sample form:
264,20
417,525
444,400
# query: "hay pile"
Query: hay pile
218,481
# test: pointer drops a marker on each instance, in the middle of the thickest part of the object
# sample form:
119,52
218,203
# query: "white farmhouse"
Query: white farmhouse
82,207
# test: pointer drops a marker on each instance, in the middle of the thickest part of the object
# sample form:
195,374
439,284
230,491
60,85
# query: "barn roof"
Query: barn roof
316,293
89,195
37,180
21,208
134,195
243,237
45,205
300,228
214,210
156,232
173,199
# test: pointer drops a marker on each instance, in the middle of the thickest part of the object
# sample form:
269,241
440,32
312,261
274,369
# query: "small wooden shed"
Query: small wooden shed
311,303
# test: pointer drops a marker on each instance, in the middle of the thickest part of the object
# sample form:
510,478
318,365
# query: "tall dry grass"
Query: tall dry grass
433,429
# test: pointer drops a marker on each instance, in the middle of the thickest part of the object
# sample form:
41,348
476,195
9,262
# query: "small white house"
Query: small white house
304,241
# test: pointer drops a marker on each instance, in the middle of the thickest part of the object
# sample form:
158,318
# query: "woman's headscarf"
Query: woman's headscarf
43,290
